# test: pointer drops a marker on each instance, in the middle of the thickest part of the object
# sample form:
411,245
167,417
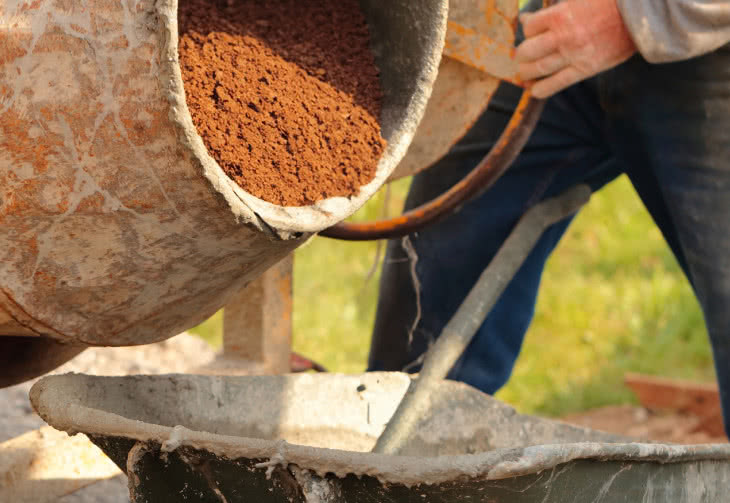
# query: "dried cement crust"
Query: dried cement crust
116,226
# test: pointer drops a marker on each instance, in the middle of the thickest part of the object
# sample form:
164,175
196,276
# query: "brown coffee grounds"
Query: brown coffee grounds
284,93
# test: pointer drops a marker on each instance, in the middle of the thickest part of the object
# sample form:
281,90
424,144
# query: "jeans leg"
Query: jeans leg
671,124
566,148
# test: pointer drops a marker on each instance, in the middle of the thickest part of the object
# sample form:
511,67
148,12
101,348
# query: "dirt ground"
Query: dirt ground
176,355
645,424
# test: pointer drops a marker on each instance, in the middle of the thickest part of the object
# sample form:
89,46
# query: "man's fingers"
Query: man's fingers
534,23
542,67
536,47
539,58
566,77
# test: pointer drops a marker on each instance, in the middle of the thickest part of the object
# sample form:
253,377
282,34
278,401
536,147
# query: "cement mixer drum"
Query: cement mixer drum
116,226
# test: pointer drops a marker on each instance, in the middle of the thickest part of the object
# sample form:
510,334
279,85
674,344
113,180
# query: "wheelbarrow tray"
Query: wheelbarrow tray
305,438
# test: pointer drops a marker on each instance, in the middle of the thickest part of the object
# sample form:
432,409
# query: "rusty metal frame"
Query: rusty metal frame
483,176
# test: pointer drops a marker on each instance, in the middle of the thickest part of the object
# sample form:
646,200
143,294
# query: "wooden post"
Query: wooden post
257,326
257,323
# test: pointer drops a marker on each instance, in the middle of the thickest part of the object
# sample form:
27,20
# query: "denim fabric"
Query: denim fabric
666,126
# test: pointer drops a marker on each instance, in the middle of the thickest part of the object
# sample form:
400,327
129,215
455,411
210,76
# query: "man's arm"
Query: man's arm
673,30
577,39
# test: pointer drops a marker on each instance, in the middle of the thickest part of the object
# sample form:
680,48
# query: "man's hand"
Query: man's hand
570,42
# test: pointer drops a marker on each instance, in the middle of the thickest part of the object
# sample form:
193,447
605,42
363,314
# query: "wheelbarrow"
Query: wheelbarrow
306,437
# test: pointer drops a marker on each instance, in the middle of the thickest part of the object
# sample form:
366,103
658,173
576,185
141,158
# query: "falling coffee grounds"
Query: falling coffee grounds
284,93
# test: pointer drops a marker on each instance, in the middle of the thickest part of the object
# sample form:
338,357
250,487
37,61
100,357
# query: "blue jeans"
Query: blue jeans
666,126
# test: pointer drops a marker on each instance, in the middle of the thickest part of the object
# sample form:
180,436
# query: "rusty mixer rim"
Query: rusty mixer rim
481,178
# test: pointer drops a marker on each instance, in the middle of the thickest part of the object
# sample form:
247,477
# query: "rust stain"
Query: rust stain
56,40
90,205
121,42
13,47
34,5
142,122
69,6
78,28
107,17
481,34
17,142
44,278
479,51
6,92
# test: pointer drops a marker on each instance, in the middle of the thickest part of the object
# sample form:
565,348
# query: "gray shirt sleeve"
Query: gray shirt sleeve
673,30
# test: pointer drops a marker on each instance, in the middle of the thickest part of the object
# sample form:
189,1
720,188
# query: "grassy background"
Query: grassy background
613,299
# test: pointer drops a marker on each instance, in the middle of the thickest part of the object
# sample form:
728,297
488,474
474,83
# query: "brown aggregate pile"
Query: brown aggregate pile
284,93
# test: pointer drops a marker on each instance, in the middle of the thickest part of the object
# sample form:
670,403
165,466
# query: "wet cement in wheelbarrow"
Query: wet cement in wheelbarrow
284,93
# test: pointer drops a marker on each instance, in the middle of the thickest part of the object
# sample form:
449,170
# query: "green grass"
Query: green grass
613,300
